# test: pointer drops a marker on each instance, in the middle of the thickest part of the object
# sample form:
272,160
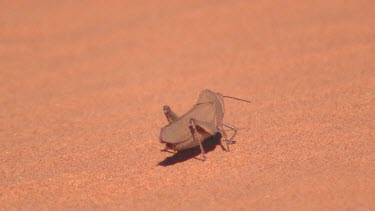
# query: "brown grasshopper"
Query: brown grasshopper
205,119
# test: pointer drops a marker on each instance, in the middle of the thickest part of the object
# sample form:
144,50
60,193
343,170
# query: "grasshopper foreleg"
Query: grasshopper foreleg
232,128
225,138
230,141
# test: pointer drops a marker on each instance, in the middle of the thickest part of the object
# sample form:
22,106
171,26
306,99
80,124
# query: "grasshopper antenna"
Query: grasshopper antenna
235,98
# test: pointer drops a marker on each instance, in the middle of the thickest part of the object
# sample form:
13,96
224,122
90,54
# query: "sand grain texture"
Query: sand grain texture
82,85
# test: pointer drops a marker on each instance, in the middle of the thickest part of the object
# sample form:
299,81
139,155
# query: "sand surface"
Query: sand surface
82,85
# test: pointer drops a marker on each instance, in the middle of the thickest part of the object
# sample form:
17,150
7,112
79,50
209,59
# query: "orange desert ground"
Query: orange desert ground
83,84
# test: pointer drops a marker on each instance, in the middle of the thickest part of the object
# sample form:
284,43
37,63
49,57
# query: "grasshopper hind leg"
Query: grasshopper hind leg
166,149
193,130
169,114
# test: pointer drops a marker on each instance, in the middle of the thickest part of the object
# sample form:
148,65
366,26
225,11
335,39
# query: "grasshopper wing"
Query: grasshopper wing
206,127
176,132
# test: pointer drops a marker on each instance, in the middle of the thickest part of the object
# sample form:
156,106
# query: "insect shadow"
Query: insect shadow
209,144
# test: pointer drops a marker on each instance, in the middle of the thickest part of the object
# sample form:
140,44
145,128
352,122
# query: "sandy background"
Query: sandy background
82,85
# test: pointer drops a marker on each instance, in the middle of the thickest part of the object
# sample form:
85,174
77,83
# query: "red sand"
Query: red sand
83,84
